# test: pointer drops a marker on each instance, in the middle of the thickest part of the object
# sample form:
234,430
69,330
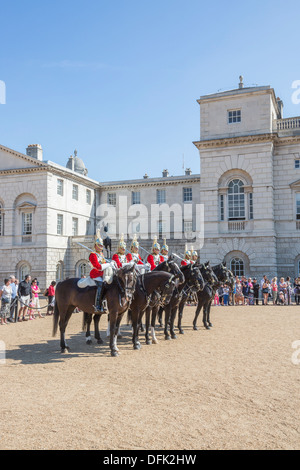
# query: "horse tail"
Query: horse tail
55,319
84,321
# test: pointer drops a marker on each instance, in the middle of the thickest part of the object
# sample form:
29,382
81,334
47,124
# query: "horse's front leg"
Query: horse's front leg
208,314
87,321
172,321
204,320
198,310
180,314
167,321
153,321
96,326
135,328
147,325
113,336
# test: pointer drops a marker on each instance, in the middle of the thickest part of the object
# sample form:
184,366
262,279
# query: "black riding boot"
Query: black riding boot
99,297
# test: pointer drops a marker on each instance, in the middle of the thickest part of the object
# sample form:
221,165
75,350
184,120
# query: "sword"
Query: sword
83,246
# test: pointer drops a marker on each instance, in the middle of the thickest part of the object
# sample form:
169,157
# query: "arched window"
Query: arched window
59,271
83,269
24,269
236,200
237,267
1,220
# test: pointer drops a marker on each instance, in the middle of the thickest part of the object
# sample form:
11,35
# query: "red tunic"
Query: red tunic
185,262
118,260
151,261
97,268
130,258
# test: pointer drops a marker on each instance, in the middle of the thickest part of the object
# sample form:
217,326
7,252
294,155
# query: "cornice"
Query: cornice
234,141
147,184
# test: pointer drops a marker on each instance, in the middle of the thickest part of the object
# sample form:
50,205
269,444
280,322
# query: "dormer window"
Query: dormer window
234,116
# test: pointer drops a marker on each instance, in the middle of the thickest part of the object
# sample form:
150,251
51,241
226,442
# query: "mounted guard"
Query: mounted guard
120,257
165,251
134,255
187,257
100,265
155,258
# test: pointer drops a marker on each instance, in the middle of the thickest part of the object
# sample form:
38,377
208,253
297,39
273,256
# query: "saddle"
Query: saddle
89,282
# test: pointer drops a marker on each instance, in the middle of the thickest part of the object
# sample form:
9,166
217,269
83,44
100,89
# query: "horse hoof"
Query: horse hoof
100,341
174,336
66,349
210,324
89,341
114,354
195,328
148,341
137,346
167,338
154,341
207,327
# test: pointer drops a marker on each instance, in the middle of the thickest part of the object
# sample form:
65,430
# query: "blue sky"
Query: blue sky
119,80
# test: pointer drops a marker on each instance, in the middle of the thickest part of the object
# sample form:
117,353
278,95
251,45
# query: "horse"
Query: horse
107,246
166,266
118,294
205,299
207,275
159,282
193,282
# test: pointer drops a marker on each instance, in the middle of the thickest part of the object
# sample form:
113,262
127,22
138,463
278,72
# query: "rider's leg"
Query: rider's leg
99,297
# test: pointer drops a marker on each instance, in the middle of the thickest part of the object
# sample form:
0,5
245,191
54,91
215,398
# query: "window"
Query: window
112,199
161,228
136,227
250,206
88,227
222,207
88,196
59,272
234,116
298,206
237,267
1,221
297,164
60,187
160,196
75,192
236,200
187,194
135,197
83,269
60,220
188,228
23,271
27,223
74,226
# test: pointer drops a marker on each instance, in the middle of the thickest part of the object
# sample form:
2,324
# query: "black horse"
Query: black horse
206,297
208,276
119,294
194,282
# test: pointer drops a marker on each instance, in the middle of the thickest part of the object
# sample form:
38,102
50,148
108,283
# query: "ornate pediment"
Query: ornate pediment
26,207
295,185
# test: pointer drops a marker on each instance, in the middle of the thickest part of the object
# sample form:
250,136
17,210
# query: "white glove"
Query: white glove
106,266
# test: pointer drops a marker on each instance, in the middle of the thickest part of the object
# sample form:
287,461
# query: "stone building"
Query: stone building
249,187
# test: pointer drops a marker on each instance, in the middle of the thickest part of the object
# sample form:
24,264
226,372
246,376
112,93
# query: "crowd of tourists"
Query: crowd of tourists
251,291
20,300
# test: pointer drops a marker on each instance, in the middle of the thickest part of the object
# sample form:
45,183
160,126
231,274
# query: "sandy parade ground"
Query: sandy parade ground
235,386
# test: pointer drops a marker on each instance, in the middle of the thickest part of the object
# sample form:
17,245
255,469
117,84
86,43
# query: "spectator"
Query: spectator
255,290
238,294
288,290
14,299
35,296
245,290
274,289
31,309
265,291
282,287
216,299
51,296
251,292
5,295
225,295
25,294
297,290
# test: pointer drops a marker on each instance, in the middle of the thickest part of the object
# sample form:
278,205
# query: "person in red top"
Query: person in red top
194,256
51,295
120,257
99,264
187,256
134,255
155,258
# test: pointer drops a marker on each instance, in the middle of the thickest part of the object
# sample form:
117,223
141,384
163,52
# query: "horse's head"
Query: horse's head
167,290
208,273
196,279
174,269
221,272
127,277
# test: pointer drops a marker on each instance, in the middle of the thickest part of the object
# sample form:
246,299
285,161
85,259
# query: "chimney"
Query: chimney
165,173
241,84
145,176
188,172
280,108
71,163
35,151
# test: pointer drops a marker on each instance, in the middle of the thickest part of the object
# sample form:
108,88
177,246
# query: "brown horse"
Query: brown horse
118,294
